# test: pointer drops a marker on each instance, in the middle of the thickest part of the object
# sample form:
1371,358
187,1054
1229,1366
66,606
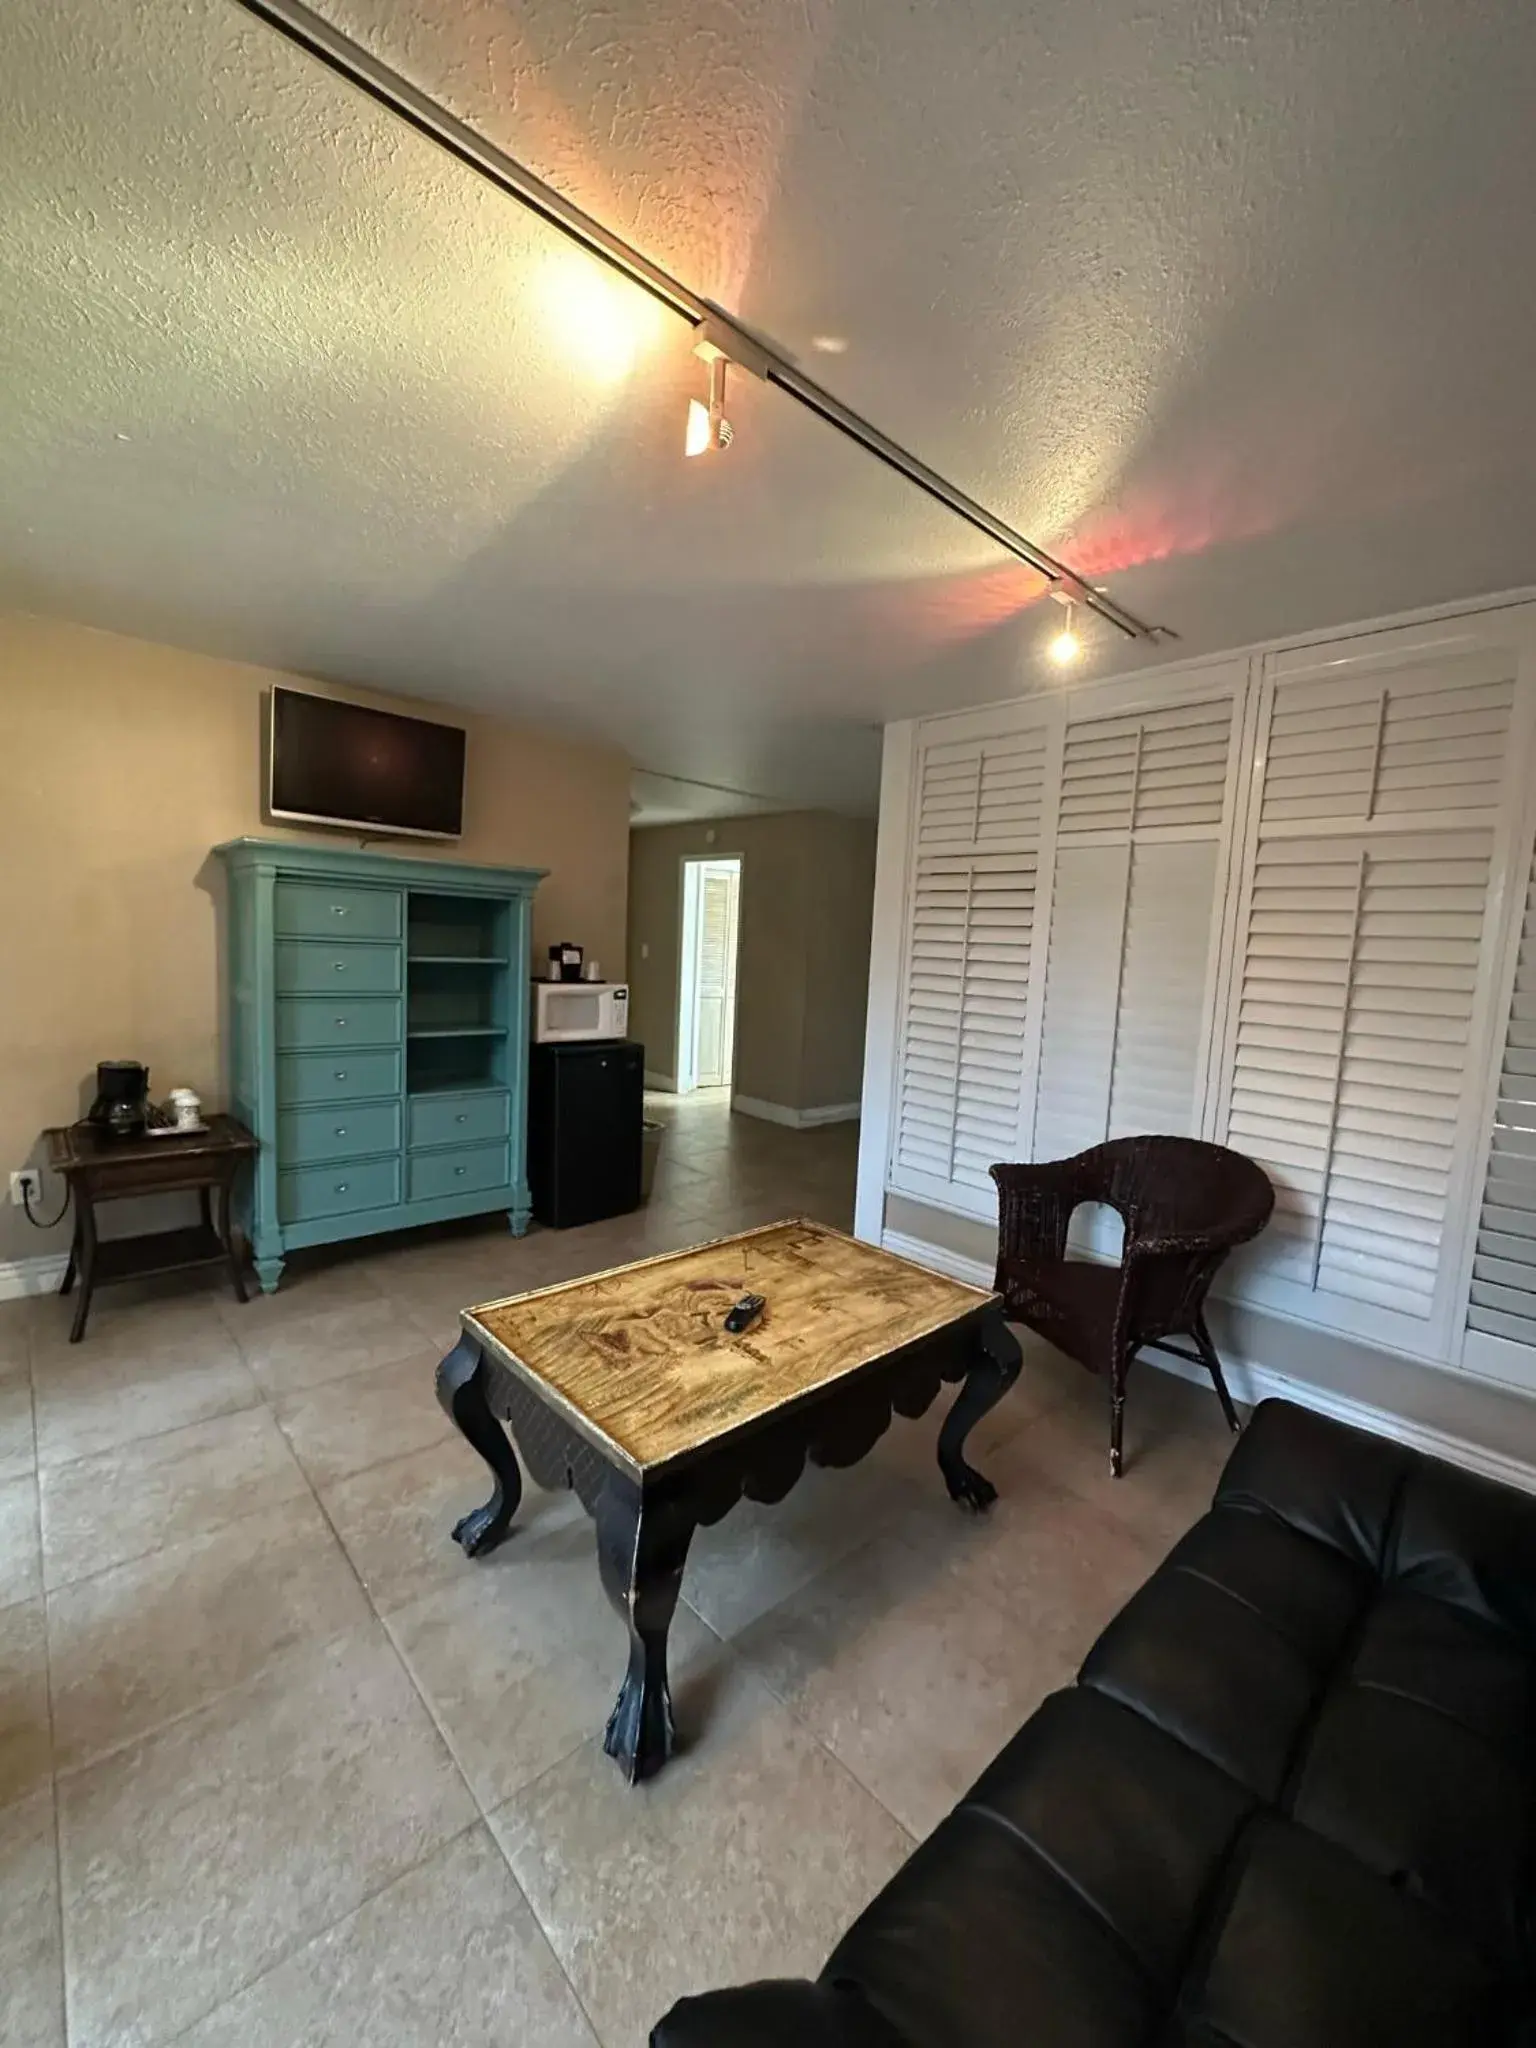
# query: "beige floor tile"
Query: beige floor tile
16,1319
291,1353
348,1425
138,1645
18,1443
522,1664
89,1400
26,1752
449,1956
396,1521
198,1858
32,1998
123,1503
912,1680
1175,1446
21,1556
759,1555
305,1290
747,1856
134,1317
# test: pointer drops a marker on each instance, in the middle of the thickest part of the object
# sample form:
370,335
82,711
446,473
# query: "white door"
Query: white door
707,1011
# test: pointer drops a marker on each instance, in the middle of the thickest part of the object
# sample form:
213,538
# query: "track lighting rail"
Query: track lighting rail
348,60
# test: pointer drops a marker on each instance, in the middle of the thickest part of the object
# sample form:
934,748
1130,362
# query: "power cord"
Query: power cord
39,1222
52,1222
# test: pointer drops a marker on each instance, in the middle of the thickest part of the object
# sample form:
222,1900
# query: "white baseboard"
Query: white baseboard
661,1084
796,1119
1251,1382
41,1275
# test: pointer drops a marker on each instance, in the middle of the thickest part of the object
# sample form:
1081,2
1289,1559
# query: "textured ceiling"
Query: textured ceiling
1226,303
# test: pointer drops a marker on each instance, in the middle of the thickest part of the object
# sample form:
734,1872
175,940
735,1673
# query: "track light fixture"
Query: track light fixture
719,343
1066,647
708,426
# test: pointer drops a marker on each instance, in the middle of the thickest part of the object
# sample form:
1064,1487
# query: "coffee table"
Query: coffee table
626,1387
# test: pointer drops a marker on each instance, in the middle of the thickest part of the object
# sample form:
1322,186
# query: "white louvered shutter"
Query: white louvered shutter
1365,955
962,1083
1145,812
1501,1310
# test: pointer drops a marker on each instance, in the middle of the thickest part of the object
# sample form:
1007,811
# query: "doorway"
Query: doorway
706,1008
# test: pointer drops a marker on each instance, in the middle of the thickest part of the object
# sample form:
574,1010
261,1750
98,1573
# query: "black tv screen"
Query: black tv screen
343,764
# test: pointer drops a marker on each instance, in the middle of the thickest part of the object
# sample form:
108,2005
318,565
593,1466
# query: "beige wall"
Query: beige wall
807,886
121,764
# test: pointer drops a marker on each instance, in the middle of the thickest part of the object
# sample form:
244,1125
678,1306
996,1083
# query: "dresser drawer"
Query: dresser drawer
305,1077
307,968
456,1119
315,1024
326,910
305,1193
432,1174
307,1136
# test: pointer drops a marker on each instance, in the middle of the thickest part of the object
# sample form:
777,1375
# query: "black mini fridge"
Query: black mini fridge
586,1104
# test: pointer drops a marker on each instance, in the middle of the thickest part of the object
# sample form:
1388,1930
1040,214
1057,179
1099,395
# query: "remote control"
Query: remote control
745,1313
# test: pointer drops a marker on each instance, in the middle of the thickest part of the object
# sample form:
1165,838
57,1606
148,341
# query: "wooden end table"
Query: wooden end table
99,1168
626,1387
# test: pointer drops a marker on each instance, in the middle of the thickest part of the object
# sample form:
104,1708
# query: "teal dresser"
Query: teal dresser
378,1040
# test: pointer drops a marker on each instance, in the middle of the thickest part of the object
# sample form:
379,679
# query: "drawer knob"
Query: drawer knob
462,1117
461,1169
341,1130
338,910
340,966
341,1187
341,1073
341,1023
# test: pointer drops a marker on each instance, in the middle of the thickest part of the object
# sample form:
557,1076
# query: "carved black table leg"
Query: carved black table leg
996,1367
461,1394
641,1550
86,1219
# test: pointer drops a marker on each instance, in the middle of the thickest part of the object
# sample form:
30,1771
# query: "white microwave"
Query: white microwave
567,1010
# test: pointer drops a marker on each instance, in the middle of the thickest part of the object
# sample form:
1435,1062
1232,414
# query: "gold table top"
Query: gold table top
640,1359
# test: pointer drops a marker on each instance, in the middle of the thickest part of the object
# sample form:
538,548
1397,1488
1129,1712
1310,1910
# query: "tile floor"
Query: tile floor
279,1766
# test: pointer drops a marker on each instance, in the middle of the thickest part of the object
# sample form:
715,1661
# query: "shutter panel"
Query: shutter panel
1143,816
1077,1046
1363,957
1163,989
1501,1311
961,1066
1362,748
1354,1020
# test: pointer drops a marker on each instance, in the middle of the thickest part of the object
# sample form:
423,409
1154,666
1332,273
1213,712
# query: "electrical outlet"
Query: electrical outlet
32,1181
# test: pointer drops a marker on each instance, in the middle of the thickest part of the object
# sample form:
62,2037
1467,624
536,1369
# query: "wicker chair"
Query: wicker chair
1184,1204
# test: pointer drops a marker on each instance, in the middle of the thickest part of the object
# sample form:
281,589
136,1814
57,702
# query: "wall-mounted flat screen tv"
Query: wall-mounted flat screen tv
331,763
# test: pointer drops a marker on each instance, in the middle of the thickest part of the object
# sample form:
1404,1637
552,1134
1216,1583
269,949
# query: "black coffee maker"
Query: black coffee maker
122,1099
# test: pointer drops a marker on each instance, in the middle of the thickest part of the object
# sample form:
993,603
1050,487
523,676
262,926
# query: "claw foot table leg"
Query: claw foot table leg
994,1371
461,1394
641,1551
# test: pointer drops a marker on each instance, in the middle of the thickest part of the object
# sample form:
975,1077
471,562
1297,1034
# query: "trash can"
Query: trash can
650,1152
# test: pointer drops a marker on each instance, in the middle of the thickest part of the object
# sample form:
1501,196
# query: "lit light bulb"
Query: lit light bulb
708,426
1066,647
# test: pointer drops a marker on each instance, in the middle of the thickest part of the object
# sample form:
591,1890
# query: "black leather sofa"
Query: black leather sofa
1288,1804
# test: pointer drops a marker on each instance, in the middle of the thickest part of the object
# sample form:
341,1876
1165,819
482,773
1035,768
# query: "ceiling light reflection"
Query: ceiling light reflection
601,320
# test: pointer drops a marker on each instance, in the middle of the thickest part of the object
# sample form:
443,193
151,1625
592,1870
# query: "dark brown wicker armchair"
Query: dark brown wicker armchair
1184,1204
